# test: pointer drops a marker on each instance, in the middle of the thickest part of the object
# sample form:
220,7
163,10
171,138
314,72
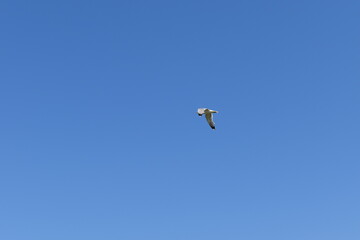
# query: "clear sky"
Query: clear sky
100,138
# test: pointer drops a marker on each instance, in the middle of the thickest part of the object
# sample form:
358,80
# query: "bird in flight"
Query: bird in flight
208,114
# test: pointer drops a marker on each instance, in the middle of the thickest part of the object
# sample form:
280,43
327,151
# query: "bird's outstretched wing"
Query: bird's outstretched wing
209,118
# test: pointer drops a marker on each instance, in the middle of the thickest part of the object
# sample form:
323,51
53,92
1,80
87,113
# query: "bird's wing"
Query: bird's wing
209,118
201,111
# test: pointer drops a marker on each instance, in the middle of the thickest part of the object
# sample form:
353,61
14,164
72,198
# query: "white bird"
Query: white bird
208,114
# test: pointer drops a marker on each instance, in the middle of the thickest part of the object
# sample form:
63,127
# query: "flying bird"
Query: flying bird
208,114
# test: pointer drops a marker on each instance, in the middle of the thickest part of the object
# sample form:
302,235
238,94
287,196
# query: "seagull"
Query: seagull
208,114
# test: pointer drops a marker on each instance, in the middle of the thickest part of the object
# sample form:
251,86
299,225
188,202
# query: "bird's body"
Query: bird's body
208,114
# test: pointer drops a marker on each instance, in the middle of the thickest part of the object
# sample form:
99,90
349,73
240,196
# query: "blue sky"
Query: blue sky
100,138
